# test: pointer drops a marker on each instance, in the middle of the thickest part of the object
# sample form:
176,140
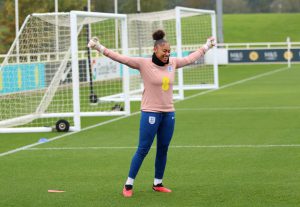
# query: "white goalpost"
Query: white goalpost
49,78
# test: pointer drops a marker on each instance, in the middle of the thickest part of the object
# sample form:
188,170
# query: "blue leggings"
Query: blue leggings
151,124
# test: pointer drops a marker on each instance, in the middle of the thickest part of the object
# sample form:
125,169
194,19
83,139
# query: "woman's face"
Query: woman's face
162,52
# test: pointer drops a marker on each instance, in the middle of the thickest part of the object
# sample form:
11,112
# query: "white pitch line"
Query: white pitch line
239,146
174,147
238,82
64,135
233,108
135,113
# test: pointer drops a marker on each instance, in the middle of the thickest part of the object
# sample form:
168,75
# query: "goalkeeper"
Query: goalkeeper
157,108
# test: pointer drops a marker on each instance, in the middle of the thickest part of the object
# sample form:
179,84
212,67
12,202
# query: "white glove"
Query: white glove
211,41
95,44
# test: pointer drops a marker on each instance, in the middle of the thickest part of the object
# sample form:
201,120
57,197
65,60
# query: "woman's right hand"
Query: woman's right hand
95,44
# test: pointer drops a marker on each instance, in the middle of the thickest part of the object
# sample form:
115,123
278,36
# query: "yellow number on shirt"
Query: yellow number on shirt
165,83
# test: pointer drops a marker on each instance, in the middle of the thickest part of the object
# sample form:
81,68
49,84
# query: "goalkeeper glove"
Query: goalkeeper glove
95,44
211,41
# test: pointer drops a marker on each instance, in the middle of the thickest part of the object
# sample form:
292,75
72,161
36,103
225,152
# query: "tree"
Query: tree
154,5
235,6
7,15
7,21
105,6
285,6
130,6
200,4
260,6
127,6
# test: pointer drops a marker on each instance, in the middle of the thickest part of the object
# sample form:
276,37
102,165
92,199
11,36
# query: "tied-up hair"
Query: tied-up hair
158,37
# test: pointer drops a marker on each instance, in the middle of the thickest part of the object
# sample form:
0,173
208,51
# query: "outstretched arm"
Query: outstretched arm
181,62
132,62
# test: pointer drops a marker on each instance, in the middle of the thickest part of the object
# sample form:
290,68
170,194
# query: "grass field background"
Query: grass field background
261,27
235,146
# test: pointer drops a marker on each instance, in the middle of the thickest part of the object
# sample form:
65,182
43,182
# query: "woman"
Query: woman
157,109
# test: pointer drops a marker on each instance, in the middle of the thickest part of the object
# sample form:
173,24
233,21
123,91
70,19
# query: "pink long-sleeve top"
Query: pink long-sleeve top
158,80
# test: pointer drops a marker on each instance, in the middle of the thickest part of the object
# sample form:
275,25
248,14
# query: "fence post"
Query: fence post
289,55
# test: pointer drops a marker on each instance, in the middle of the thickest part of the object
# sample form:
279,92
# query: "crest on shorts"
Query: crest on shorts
151,119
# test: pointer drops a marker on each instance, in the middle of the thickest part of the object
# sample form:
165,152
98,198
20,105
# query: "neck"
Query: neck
157,61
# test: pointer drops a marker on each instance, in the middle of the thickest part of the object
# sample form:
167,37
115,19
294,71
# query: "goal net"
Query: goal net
186,30
49,74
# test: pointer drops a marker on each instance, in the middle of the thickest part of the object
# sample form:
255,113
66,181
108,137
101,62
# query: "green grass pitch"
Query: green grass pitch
235,146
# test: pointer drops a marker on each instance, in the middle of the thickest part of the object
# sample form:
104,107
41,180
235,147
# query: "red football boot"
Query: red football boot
160,188
127,191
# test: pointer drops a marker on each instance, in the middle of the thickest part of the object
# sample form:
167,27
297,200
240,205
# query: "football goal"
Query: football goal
50,79
186,30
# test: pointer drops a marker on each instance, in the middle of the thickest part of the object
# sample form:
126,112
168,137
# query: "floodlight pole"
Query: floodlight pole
56,28
89,5
17,16
138,6
56,6
220,21
116,25
138,10
89,10
289,54
17,27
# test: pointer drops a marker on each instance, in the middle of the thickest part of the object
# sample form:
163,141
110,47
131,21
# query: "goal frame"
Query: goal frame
76,114
181,86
